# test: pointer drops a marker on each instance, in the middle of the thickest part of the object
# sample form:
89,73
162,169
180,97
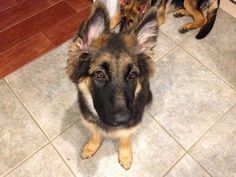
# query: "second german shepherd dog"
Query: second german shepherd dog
131,11
112,71
194,9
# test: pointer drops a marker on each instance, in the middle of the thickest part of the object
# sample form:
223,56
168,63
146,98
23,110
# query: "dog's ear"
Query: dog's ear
146,31
80,55
81,68
146,66
96,24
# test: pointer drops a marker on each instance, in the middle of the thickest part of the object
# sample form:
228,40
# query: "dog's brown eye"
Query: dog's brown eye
99,75
132,75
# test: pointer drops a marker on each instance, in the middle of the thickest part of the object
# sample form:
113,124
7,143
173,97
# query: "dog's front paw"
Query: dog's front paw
125,161
125,152
87,152
91,146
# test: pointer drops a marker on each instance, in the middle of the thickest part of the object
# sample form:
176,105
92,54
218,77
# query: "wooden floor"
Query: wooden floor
29,28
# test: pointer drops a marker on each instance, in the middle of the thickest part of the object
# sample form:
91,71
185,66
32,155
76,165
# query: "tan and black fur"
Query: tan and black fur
132,10
194,9
112,71
129,13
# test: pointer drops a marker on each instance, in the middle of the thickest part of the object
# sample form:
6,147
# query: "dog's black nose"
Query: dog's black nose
121,118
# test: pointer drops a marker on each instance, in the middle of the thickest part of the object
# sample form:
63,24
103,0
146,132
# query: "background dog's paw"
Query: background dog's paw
181,13
178,14
183,30
125,162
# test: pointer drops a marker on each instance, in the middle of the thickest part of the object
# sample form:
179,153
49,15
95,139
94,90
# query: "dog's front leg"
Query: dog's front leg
125,152
92,145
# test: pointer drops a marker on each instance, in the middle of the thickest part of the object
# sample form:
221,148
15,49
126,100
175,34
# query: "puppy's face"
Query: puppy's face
112,70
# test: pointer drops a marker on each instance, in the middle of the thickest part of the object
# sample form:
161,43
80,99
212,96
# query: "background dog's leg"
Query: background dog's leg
161,12
125,152
92,145
199,19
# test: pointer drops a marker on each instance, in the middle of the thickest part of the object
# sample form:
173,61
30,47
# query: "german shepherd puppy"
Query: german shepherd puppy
111,71
132,10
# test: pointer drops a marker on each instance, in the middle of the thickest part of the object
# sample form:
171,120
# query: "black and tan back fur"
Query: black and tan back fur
112,72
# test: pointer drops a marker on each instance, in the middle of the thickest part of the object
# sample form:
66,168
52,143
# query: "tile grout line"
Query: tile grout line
220,117
64,130
188,151
55,149
169,133
48,139
214,73
227,11
24,160
212,126
180,42
174,164
26,108
200,164
168,37
171,50
172,136
176,45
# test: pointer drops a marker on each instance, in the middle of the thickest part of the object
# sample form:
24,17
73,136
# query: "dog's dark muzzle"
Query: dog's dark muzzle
119,118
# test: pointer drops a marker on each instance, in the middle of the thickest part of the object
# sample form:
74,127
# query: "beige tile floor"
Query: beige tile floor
189,131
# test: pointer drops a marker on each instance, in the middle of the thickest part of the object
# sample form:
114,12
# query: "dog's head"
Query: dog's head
112,70
132,11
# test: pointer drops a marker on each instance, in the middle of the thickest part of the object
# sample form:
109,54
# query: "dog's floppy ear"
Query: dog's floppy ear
96,24
147,31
